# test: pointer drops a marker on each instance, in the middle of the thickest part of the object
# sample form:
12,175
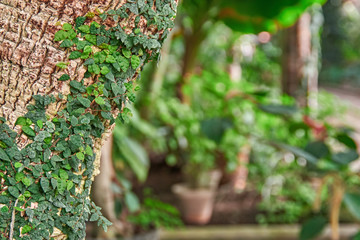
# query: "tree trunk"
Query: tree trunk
47,141
296,51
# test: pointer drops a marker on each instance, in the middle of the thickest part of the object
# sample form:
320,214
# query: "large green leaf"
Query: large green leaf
214,128
318,149
352,202
299,152
262,15
133,154
279,109
345,157
312,228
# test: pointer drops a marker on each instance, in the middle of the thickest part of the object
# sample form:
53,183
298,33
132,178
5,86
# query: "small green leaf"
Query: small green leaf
14,191
84,101
79,21
135,61
75,55
23,121
74,121
19,209
19,176
28,131
39,123
27,194
5,209
60,35
100,100
25,229
124,63
89,151
66,43
110,59
80,156
26,181
91,38
64,77
94,68
4,156
62,65
126,52
67,26
94,217
85,28
63,174
18,164
69,185
105,70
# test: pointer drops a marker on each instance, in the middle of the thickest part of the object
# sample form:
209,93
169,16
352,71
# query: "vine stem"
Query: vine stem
12,221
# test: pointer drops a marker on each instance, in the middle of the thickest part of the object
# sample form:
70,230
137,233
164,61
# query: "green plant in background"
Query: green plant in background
155,214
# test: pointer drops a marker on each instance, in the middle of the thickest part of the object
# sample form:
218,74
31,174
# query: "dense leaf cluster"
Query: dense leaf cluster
45,186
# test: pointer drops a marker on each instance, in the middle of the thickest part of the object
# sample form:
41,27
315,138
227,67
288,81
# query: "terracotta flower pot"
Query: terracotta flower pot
196,204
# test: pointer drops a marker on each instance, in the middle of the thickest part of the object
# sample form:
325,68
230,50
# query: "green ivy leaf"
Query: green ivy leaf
60,35
124,63
23,121
28,131
64,77
110,59
89,151
126,52
75,55
100,100
85,28
74,121
66,26
80,156
4,156
14,191
26,181
63,174
62,65
94,217
105,70
80,21
69,185
61,186
135,61
91,38
84,101
25,229
18,164
19,209
66,43
94,68
99,57
5,209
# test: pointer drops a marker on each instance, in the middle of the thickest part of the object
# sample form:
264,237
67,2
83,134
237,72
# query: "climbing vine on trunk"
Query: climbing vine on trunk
47,162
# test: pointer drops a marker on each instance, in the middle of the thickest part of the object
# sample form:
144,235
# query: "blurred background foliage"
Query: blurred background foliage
224,85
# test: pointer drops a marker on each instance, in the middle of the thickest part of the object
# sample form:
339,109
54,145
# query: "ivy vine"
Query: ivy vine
45,185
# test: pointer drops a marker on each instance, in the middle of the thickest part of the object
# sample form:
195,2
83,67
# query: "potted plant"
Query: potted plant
154,214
